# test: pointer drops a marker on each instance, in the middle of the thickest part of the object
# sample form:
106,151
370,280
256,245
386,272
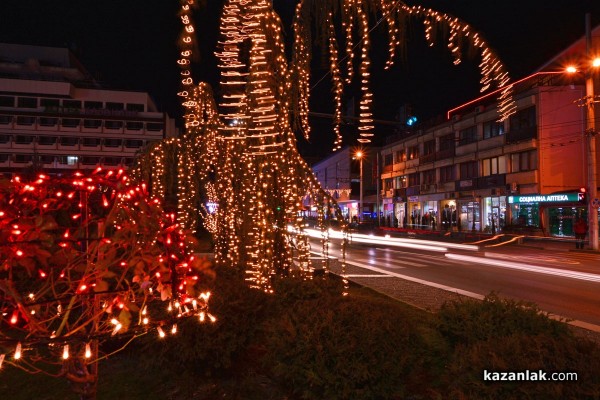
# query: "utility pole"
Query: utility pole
590,132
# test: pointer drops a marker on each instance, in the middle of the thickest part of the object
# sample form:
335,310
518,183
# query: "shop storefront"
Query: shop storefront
553,214
400,213
494,214
469,218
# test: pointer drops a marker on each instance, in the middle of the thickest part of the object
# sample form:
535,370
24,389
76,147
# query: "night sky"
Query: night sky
131,44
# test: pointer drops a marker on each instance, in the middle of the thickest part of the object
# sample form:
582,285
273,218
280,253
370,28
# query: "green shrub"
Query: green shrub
471,321
208,349
520,352
334,347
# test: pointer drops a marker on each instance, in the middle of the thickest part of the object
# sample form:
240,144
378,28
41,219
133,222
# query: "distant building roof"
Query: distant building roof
19,61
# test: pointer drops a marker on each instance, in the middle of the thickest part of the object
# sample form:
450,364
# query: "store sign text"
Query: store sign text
549,198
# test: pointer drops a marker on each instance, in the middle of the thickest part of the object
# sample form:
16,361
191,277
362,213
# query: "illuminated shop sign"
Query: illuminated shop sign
547,198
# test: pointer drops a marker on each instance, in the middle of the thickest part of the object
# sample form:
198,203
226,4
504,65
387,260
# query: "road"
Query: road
562,282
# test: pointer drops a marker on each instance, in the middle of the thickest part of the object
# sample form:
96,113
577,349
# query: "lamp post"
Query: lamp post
590,133
359,156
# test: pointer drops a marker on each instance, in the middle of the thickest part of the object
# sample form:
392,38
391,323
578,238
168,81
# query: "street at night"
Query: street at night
562,282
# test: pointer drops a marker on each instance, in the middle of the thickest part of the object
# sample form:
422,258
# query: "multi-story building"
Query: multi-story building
55,117
339,174
474,172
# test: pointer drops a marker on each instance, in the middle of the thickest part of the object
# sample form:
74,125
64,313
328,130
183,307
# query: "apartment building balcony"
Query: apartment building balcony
523,178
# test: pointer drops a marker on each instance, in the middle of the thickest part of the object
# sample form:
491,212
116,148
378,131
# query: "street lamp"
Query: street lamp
590,133
359,156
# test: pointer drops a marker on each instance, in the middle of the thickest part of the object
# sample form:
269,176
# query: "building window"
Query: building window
4,139
72,104
414,179
6,119
494,166
447,173
429,147
23,158
7,101
467,136
68,160
25,120
70,122
388,184
468,170
447,142
134,126
401,155
113,124
92,123
45,121
4,157
90,160
388,159
69,141
50,103
133,143
135,107
90,142
112,142
47,159
401,182
112,160
27,102
522,125
47,140
115,106
492,129
413,152
23,139
525,161
429,176
92,105
154,126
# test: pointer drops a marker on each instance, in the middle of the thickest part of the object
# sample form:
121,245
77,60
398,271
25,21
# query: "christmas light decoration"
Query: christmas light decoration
67,283
236,169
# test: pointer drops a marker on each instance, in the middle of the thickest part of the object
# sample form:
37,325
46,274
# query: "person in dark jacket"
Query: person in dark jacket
580,229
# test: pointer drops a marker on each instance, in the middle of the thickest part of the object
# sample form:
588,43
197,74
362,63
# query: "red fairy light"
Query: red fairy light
168,239
78,173
66,234
119,172
97,170
19,253
42,274
63,244
82,288
42,176
1,213
76,216
104,201
15,317
109,173
157,274
16,232
123,264
58,194
70,195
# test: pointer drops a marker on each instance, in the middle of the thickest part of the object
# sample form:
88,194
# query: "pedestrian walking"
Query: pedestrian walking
580,229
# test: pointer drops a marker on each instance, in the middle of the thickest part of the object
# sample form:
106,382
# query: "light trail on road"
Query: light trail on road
525,267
